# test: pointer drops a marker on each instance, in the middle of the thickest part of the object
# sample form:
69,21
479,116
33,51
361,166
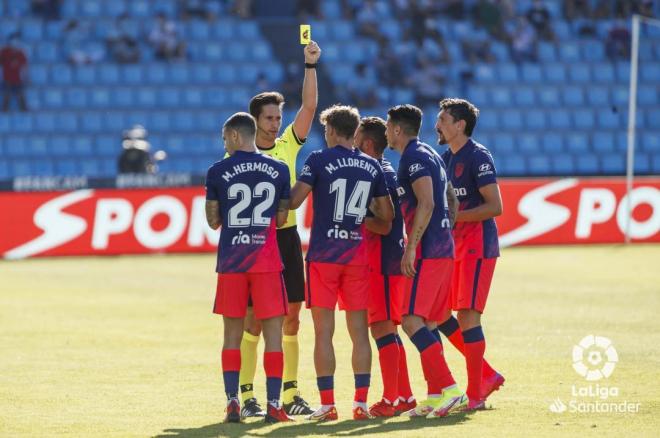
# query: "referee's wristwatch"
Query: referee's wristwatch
308,65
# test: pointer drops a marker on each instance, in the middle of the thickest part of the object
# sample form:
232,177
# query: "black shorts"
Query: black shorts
288,240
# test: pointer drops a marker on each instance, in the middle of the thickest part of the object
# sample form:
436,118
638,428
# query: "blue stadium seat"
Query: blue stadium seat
484,73
90,9
146,97
512,120
21,122
549,96
179,74
91,122
608,119
16,147
114,8
198,30
66,167
114,121
37,146
642,163
500,51
62,74
538,165
66,122
107,145
569,52
45,122
513,165
76,98
183,121
535,119
321,29
248,30
648,94
53,98
562,29
501,96
82,146
132,74
577,143
546,52
603,142
341,30
598,96
122,97
477,95
579,73
47,52
100,97
587,164
584,118
214,51
59,146
223,29
31,30
560,119
89,166
650,72
532,73
488,120
593,50
620,95
573,96
508,72
563,164
261,51
215,96
524,96
193,97
553,143
168,98
655,164
555,73
108,73
528,144
623,71
21,168
651,142
613,164
604,73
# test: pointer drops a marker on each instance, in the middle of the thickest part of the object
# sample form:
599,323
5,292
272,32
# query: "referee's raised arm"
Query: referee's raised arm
310,93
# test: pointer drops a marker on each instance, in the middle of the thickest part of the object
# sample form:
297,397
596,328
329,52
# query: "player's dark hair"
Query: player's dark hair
374,128
408,117
343,118
461,109
262,99
244,123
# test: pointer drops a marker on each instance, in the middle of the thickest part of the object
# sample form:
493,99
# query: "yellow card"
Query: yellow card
305,34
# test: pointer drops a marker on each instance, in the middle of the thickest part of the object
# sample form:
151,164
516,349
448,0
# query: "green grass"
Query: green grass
128,346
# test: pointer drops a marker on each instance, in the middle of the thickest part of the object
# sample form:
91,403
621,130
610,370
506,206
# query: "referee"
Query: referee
266,108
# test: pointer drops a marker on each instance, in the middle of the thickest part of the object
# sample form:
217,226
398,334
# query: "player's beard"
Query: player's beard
441,138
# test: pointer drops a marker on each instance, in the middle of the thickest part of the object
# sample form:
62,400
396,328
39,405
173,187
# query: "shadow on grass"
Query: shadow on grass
302,428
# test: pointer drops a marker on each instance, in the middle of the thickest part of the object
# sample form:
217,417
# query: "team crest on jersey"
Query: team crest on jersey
458,171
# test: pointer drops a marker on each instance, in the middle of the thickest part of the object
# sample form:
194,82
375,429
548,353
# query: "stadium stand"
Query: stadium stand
563,114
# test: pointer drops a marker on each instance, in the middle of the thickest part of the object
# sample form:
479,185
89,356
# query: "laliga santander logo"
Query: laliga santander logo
594,358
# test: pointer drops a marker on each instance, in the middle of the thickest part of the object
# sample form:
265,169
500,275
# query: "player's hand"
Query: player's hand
408,263
312,53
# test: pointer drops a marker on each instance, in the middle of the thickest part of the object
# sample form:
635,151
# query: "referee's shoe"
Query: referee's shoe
298,407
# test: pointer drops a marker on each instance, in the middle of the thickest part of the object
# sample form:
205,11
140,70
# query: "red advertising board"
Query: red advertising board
105,221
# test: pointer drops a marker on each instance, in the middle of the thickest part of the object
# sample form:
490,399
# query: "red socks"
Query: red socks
388,356
405,390
475,346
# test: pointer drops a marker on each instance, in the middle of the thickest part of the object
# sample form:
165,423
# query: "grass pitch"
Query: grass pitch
127,346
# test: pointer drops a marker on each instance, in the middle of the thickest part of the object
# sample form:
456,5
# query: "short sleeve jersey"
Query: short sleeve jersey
343,181
286,149
471,168
419,160
385,252
248,187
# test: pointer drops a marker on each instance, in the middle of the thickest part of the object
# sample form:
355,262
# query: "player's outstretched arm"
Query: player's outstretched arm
213,214
452,204
491,207
423,189
282,212
310,94
299,193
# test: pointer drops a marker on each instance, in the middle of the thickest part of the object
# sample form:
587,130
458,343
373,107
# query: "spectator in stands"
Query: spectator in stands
242,8
489,15
78,48
433,45
645,7
617,45
122,45
523,41
577,9
291,84
361,90
47,9
369,18
388,66
603,9
196,9
427,81
309,8
539,16
477,50
263,84
135,157
164,39
455,9
14,72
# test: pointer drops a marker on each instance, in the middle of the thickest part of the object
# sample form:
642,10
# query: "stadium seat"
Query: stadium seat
579,73
560,119
604,73
598,96
584,119
577,143
501,96
623,71
484,73
650,72
531,73
478,95
226,74
76,98
66,167
573,96
613,164
535,119
549,97
569,52
109,74
513,165
507,73
44,122
53,98
539,165
82,146
59,146
642,163
107,146
608,119
90,9
563,164
63,76
587,164
21,122
651,142
648,94
620,96
488,120
524,96
553,143
528,144
555,73
593,50
655,164
546,52
603,142
91,122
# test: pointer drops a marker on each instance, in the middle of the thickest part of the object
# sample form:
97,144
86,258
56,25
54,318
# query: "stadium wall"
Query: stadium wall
163,220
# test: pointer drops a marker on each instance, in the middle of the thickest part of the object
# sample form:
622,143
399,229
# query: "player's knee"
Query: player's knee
468,318
291,325
254,328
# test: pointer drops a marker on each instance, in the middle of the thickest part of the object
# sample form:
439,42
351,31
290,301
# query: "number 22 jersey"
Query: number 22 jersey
248,186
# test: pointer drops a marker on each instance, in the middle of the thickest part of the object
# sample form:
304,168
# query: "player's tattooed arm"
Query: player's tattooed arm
382,208
310,94
299,193
423,189
282,212
213,214
491,207
452,204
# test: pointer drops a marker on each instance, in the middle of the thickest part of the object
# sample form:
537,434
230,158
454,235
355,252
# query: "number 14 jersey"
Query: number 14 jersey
343,181
248,186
